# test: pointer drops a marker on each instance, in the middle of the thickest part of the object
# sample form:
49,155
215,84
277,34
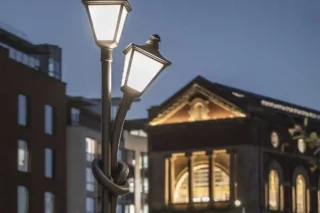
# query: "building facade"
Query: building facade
33,158
214,148
84,144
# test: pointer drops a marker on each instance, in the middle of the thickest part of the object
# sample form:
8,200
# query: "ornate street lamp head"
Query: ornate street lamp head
143,63
107,19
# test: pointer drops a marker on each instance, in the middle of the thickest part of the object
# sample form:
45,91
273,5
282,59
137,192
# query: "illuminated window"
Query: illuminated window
179,179
131,185
274,190
143,161
145,208
221,185
129,208
23,156
300,194
48,202
274,139
201,185
145,184
90,148
140,133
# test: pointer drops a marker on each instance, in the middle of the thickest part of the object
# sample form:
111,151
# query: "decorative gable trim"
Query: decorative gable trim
183,100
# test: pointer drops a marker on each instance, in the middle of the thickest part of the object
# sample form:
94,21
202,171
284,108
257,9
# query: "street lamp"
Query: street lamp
107,18
143,63
238,203
142,60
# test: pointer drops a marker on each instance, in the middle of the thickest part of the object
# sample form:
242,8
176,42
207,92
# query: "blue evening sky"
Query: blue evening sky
270,47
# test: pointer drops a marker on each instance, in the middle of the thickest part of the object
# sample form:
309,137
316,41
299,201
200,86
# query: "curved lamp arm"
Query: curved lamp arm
117,128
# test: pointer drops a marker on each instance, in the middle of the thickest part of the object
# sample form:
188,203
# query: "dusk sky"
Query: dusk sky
269,47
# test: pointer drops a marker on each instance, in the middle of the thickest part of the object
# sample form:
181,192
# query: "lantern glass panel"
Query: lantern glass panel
104,21
121,24
125,67
142,71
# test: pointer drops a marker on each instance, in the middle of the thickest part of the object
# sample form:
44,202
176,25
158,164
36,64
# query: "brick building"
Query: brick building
33,127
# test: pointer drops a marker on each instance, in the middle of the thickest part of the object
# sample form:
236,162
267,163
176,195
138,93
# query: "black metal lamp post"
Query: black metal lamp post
142,65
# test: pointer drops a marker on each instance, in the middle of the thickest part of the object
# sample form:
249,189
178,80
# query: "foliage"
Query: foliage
300,132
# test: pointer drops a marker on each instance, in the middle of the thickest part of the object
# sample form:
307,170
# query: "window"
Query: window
274,190
75,116
120,154
48,119
119,208
300,194
145,185
90,205
25,58
51,67
145,208
23,156
201,185
89,179
19,56
199,166
22,110
48,170
48,202
37,63
131,185
145,161
143,164
129,208
274,139
22,200
90,148
140,133
54,68
221,184
16,55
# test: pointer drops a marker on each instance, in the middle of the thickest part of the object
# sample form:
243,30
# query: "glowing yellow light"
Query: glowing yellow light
237,203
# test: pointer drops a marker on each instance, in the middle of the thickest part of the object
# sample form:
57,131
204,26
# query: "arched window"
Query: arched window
274,190
301,194
201,185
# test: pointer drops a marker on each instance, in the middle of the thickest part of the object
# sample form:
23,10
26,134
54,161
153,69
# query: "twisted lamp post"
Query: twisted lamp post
143,63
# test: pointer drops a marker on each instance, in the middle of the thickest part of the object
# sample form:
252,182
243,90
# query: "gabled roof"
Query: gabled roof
244,101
